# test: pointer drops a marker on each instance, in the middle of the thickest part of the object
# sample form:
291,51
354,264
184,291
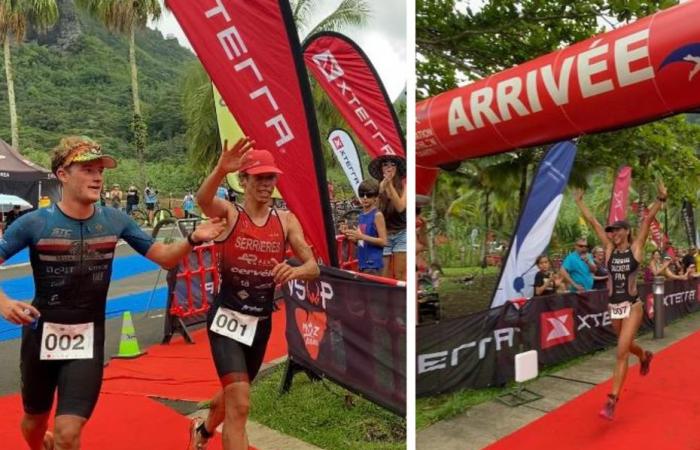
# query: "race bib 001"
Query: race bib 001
60,341
620,310
234,325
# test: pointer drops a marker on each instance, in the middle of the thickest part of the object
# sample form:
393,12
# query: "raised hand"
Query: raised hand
282,272
207,231
231,159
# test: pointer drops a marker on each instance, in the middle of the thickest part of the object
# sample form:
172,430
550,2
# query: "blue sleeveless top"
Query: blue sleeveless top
369,256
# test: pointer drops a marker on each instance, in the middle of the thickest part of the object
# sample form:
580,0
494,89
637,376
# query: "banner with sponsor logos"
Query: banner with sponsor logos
620,193
346,153
630,75
688,218
252,54
351,330
478,351
535,224
346,74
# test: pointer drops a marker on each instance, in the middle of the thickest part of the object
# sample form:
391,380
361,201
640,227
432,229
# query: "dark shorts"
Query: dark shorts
150,206
78,381
235,361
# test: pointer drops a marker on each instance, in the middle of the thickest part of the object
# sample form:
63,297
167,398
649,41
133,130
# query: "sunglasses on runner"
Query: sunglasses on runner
389,164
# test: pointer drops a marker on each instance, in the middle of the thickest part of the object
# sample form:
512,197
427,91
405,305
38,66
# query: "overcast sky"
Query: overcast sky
383,39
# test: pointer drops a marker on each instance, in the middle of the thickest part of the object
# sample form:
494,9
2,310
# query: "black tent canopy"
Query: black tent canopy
23,178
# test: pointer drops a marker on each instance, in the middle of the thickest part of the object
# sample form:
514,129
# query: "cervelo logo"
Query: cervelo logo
689,54
492,105
236,51
557,327
316,292
501,338
331,69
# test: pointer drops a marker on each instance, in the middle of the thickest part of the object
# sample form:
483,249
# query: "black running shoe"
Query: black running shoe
197,441
644,365
608,411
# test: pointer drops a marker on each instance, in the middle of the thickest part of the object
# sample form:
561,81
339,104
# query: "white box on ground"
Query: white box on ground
526,367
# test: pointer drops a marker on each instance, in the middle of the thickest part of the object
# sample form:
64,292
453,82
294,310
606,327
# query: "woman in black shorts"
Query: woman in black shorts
622,257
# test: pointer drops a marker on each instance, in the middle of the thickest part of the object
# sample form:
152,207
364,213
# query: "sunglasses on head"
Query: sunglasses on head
367,194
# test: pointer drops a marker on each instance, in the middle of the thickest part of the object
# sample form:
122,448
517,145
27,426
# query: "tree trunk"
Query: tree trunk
138,125
432,249
14,126
487,207
523,185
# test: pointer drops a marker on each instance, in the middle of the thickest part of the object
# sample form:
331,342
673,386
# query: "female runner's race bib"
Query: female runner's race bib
234,325
60,341
620,310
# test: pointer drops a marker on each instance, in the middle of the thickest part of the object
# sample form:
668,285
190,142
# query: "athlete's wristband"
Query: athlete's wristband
191,241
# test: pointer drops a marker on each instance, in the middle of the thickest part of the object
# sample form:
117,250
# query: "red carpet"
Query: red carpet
180,371
659,411
119,422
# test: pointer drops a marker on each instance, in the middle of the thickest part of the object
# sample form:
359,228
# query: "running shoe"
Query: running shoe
48,440
644,365
608,411
197,441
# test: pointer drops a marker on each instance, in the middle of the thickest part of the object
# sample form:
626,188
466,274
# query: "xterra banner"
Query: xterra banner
478,351
352,331
346,74
251,51
634,74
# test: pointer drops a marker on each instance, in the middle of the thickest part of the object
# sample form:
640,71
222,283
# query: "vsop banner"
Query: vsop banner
620,193
346,74
535,224
351,330
346,153
631,75
251,51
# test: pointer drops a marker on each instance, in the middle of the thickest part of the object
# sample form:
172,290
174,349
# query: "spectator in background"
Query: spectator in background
12,215
544,282
370,233
689,258
150,198
390,171
115,197
132,199
188,205
601,274
578,268
222,192
331,192
232,195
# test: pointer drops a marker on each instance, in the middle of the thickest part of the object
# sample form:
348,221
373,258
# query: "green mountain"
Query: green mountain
76,80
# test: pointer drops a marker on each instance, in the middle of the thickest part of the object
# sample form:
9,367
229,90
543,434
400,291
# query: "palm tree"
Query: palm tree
198,102
15,16
124,17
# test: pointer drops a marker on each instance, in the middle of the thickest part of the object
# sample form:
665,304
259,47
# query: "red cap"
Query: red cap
259,161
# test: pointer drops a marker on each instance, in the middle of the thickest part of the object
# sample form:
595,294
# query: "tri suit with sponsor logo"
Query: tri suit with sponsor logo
71,262
245,298
622,284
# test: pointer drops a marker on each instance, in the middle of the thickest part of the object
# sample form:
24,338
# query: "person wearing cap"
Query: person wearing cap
115,196
390,171
252,262
623,256
71,246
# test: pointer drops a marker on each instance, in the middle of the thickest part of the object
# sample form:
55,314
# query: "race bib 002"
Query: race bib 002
60,341
620,310
234,325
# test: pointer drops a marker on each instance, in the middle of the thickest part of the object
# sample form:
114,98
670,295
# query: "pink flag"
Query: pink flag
620,193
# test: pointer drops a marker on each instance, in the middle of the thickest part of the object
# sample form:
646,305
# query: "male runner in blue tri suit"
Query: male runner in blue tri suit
72,246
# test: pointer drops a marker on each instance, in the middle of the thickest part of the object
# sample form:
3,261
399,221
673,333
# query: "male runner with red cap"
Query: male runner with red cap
252,251
71,247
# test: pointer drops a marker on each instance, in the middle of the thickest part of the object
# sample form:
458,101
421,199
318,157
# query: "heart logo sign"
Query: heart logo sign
312,326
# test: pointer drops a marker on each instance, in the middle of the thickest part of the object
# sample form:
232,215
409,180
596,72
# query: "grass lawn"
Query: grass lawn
325,415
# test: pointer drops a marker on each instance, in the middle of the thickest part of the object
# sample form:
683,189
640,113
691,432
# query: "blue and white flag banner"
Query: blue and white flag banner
535,224
344,149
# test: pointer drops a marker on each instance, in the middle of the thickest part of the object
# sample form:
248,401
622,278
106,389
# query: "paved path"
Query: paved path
488,422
